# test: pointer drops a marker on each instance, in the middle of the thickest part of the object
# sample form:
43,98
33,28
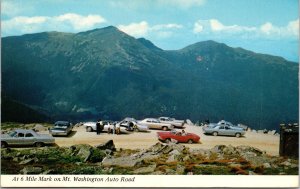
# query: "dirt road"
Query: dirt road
140,140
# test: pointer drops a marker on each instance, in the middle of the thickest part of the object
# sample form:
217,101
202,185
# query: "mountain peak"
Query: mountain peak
108,29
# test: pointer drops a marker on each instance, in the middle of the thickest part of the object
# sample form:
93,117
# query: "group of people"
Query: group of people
111,128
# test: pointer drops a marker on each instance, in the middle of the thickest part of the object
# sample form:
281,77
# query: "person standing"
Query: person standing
98,127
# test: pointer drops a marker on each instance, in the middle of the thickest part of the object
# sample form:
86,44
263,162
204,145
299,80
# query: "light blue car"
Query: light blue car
221,129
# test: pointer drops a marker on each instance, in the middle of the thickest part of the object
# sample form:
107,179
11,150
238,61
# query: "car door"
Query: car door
29,139
18,139
221,130
227,131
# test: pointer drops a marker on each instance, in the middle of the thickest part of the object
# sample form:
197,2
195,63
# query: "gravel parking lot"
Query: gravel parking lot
142,140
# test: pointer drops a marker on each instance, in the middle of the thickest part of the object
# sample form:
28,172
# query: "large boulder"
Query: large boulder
126,161
108,145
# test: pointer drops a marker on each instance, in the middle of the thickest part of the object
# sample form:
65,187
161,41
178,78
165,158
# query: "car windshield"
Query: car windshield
12,133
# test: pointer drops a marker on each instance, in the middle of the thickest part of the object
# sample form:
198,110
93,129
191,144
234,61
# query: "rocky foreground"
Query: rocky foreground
159,159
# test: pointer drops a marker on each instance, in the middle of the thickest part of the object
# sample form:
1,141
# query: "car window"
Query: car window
12,134
28,135
20,134
149,121
222,127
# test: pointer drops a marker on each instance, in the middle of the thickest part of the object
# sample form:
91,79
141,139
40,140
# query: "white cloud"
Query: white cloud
214,26
79,22
67,22
143,29
135,29
198,27
291,29
182,3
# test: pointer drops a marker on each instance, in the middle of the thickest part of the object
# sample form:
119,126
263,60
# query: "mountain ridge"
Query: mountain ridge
107,73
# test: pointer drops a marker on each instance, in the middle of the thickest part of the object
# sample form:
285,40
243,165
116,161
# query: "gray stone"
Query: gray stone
186,158
180,169
143,170
266,165
189,122
108,145
272,132
26,161
84,153
126,161
172,158
252,173
31,170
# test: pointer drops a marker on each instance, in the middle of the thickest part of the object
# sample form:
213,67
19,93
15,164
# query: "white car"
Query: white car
91,126
133,125
172,121
153,123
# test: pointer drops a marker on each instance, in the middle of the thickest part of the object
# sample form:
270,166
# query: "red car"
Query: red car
178,136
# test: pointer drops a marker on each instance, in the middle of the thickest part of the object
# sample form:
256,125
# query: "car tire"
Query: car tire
3,145
215,133
89,129
38,144
164,128
190,141
237,135
167,140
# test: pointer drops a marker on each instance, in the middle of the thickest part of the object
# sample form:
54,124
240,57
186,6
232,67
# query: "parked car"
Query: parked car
61,128
172,121
91,126
178,137
133,125
224,130
153,123
20,137
108,126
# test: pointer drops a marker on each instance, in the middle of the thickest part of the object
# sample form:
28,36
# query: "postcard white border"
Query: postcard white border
240,181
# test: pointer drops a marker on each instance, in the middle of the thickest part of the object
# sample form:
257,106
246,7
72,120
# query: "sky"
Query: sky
263,26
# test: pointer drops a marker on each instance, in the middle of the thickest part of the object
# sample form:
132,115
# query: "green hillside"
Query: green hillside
109,74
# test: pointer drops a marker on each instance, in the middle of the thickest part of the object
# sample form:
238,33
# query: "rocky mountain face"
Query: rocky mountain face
109,74
159,159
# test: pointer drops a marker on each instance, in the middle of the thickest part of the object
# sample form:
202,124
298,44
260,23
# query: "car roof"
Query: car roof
23,130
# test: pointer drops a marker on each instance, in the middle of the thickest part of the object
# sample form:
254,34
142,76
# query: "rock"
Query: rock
189,122
235,165
180,169
260,131
272,132
143,170
286,163
218,149
126,161
84,152
266,165
254,131
186,158
48,172
31,170
108,145
170,171
26,161
172,158
39,127
175,152
252,173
